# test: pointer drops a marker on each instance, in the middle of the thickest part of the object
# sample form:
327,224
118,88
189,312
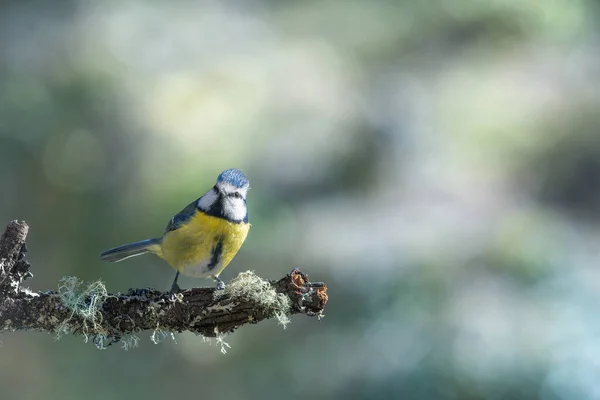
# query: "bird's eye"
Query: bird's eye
237,195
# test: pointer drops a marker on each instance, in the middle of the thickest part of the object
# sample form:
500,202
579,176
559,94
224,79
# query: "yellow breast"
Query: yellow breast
190,249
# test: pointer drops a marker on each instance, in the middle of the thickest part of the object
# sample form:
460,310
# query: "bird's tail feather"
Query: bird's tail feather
132,249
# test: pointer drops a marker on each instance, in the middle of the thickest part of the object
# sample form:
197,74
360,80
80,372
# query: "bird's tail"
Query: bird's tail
132,249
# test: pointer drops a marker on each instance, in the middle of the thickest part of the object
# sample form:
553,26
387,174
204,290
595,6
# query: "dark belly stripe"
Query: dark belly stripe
216,255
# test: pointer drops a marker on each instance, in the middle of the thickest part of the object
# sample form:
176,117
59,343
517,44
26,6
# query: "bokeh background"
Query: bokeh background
437,163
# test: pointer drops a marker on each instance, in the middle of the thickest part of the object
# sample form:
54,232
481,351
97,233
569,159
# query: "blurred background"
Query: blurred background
437,163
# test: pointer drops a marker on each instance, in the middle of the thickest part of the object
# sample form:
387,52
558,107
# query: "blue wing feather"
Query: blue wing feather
182,217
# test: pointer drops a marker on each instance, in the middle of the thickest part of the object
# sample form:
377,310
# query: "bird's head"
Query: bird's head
233,183
228,197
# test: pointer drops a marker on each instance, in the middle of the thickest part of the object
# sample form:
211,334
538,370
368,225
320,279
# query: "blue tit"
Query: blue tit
202,239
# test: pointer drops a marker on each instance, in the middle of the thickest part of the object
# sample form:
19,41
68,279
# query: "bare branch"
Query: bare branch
13,269
87,309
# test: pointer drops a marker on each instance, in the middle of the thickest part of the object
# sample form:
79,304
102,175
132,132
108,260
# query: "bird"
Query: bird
202,239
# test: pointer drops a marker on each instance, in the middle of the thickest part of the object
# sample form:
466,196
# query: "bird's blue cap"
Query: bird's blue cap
234,177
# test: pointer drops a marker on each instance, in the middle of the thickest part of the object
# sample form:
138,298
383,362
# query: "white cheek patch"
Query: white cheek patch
234,208
206,201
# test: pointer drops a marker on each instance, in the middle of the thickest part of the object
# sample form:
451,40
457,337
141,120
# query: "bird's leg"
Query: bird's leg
220,283
175,287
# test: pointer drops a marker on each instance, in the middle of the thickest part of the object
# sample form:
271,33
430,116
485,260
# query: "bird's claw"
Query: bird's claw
220,283
175,290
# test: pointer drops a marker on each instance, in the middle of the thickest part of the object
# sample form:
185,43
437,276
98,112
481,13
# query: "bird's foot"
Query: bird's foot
220,283
175,290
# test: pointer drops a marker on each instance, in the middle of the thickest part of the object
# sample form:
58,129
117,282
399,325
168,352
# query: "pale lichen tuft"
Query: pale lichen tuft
129,341
83,300
250,287
158,335
220,338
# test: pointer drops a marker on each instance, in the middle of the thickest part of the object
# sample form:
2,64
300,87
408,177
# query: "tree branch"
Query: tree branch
87,309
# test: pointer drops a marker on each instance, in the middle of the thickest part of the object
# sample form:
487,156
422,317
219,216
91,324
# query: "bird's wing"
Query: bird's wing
182,216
